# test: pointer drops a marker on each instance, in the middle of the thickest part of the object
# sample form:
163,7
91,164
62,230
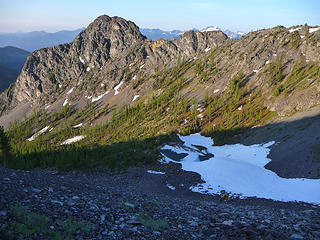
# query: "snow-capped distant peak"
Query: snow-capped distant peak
211,29
241,33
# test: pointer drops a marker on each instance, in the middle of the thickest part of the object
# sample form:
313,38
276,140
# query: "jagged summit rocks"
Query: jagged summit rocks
99,55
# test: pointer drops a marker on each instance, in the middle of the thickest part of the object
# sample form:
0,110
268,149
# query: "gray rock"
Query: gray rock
3,213
296,236
129,205
36,190
193,223
227,222
57,202
102,218
133,221
71,202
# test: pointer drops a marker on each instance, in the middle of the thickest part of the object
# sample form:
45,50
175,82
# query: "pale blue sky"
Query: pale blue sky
244,15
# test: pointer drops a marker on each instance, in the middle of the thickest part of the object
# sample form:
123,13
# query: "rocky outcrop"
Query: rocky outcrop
104,49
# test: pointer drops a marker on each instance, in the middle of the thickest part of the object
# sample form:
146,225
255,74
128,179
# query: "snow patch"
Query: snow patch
239,169
70,91
295,29
135,97
102,84
207,49
301,36
50,130
43,130
171,187
73,140
141,66
78,125
255,71
195,58
81,60
134,77
60,86
240,108
117,87
210,29
311,30
46,107
267,62
88,69
155,172
65,102
99,97
274,54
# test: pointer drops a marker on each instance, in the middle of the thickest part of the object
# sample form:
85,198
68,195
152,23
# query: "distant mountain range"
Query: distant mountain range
32,41
12,60
156,34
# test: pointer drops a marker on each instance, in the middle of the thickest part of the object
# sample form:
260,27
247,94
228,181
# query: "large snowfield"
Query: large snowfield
239,170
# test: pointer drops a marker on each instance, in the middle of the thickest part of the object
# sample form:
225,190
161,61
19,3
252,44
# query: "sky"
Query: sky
235,15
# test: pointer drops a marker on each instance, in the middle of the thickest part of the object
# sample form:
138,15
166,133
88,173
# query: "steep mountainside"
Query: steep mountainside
11,62
32,41
111,85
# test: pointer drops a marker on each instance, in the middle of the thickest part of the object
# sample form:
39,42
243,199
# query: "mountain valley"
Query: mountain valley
98,111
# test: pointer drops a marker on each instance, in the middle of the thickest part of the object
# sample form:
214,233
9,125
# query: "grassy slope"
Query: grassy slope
134,133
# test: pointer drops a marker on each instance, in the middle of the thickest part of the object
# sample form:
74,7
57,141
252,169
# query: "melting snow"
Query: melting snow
117,87
311,30
99,97
81,60
70,91
65,102
78,125
209,29
155,172
43,130
239,169
73,140
135,97
295,29
171,187
207,49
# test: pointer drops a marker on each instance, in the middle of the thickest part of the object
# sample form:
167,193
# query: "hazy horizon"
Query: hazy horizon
27,16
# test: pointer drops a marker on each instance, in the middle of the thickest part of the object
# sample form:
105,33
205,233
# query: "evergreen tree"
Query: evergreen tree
4,147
